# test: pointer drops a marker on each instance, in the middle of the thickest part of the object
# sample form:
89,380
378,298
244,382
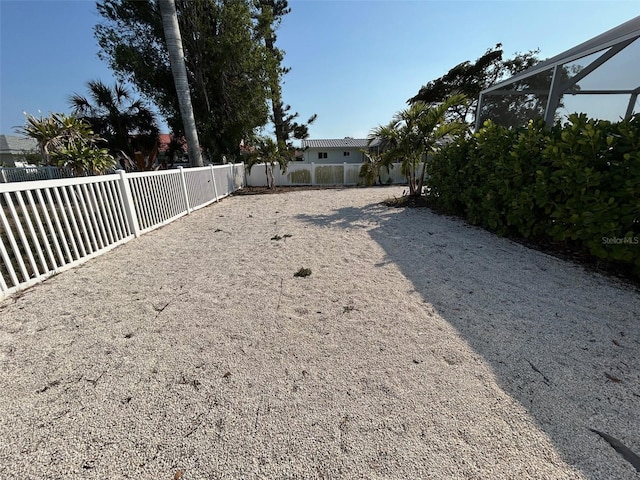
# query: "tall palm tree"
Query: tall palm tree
413,134
116,116
176,58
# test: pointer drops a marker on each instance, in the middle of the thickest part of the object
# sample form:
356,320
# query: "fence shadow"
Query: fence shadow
561,341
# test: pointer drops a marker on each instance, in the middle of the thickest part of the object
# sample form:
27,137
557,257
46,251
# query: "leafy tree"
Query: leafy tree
224,62
414,134
68,142
269,15
176,56
126,123
470,78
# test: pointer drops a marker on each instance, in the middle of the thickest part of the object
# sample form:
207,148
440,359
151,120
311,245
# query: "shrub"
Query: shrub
575,183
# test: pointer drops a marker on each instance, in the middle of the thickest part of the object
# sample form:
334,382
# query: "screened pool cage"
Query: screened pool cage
600,77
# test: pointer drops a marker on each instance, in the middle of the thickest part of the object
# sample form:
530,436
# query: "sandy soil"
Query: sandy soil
419,347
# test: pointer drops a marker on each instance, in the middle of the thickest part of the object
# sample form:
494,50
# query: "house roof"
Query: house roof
346,142
629,30
15,144
164,140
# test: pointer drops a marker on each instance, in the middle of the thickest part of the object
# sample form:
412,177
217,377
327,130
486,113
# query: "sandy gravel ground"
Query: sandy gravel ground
418,348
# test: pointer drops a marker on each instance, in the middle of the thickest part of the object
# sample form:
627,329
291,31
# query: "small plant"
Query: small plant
370,170
271,153
68,142
348,308
413,136
303,272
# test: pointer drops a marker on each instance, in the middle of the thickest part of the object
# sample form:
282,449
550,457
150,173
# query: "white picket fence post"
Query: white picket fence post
129,207
233,175
344,174
313,173
184,189
213,180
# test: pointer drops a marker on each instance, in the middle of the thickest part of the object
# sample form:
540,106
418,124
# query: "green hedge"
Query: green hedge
578,184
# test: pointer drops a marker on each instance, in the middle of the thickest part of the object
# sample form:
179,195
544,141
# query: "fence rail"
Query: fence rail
32,174
52,225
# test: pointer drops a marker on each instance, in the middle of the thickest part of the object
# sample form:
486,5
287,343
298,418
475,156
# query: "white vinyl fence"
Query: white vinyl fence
49,226
320,174
32,174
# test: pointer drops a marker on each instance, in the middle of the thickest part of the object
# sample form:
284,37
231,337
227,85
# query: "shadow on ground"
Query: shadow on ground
561,341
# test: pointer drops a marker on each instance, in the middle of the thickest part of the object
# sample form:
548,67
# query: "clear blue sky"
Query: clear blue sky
354,62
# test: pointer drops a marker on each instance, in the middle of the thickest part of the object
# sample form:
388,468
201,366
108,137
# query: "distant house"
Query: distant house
344,150
13,149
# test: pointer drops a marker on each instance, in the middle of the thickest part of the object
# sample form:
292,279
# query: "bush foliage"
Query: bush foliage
577,184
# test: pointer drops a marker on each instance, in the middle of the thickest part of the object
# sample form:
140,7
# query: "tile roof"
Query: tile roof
164,140
346,142
14,144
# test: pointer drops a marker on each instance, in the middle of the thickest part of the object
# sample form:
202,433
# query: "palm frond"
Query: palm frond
101,94
121,93
115,115
413,133
80,105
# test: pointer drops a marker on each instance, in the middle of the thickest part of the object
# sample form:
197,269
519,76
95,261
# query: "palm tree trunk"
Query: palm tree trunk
273,74
421,178
176,57
412,178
